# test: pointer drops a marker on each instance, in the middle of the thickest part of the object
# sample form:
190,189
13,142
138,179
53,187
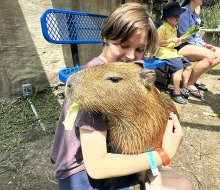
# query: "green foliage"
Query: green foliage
211,16
190,32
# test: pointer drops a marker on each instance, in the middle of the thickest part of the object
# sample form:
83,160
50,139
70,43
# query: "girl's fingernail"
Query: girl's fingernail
170,118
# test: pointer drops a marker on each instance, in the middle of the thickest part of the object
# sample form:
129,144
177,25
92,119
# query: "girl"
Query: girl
80,156
196,49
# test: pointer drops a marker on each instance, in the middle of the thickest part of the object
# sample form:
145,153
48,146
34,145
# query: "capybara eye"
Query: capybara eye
114,79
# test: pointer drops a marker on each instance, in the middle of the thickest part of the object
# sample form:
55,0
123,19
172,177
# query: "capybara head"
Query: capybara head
125,93
111,87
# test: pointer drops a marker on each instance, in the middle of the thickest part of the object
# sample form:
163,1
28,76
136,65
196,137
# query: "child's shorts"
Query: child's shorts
81,181
178,63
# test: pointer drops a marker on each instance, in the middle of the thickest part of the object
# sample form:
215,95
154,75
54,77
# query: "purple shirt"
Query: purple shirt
187,20
66,153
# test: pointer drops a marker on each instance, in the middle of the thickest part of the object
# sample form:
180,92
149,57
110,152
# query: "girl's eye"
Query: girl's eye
123,46
140,50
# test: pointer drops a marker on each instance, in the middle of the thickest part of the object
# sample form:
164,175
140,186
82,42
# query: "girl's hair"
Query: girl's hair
185,3
128,19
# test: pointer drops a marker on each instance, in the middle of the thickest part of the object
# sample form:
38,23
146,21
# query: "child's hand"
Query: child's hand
178,43
173,136
175,40
183,40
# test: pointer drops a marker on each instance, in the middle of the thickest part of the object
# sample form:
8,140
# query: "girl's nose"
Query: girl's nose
130,55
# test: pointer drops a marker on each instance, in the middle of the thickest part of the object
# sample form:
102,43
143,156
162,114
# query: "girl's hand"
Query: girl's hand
210,47
173,136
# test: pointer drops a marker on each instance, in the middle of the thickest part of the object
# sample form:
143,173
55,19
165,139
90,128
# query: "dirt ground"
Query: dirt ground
198,157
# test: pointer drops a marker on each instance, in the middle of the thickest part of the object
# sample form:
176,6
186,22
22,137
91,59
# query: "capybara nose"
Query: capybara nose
69,87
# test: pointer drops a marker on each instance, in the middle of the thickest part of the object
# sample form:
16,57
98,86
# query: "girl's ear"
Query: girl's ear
105,41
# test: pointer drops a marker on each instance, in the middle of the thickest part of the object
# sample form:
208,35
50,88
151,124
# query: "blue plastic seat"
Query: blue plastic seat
150,63
65,73
153,63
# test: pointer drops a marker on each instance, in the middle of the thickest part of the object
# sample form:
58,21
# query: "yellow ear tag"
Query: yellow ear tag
71,116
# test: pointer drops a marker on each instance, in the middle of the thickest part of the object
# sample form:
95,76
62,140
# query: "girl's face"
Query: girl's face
197,2
131,50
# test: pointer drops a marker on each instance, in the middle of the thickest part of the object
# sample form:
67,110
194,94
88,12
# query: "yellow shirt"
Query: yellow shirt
165,32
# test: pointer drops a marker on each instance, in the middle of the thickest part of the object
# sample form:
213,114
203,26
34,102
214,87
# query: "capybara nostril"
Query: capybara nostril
69,86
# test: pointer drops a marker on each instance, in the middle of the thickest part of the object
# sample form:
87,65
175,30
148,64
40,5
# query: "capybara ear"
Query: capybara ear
147,76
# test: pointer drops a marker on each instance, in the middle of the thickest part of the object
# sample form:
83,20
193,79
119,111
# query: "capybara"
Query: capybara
125,93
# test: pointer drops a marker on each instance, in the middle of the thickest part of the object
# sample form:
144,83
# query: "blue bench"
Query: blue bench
71,27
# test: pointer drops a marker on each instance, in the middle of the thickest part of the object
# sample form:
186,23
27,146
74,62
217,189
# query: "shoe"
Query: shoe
201,86
196,93
179,99
185,92
170,87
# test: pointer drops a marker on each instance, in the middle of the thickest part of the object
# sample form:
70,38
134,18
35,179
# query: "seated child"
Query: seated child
179,65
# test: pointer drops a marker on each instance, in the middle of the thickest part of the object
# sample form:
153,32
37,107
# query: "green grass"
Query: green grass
19,126
18,123
217,67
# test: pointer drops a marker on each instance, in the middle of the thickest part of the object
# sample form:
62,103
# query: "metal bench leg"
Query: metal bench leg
167,76
75,54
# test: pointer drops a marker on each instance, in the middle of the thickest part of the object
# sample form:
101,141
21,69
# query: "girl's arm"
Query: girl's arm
101,164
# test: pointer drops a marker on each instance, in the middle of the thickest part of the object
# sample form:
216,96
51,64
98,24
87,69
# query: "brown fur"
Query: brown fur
125,93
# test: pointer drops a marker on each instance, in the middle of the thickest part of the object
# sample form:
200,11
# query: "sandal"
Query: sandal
185,92
179,99
196,93
201,86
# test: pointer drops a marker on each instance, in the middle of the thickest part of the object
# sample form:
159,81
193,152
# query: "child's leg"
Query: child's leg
176,66
177,76
169,179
